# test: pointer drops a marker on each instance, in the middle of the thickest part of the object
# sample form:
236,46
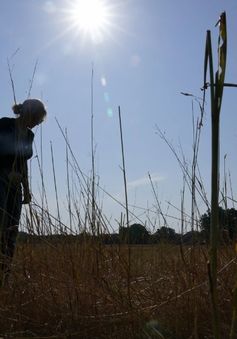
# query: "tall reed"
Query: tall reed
126,204
216,90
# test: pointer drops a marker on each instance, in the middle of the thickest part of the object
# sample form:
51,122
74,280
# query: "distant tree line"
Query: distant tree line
227,224
138,234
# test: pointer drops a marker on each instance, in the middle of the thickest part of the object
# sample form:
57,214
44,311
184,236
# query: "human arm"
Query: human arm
25,184
24,170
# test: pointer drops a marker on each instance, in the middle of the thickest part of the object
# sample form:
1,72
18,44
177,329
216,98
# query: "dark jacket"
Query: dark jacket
15,146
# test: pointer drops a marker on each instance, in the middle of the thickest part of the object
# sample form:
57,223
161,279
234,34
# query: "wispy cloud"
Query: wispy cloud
155,177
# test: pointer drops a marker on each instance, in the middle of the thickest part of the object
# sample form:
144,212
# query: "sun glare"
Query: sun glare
90,17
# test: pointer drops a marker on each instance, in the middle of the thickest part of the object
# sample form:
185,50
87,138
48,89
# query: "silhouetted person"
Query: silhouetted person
16,140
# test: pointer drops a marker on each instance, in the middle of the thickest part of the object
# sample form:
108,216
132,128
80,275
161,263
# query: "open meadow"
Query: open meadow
71,289
112,228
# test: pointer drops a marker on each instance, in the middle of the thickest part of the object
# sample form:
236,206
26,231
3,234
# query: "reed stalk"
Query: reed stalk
233,331
159,210
55,185
126,204
32,79
216,91
12,81
93,200
68,184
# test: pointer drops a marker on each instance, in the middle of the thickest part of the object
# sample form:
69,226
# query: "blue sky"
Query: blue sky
151,51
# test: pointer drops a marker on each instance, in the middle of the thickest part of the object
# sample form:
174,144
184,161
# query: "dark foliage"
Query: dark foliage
227,224
134,234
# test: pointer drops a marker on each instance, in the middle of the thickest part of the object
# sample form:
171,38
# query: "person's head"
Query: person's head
31,113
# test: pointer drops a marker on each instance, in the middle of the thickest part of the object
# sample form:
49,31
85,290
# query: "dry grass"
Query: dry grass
79,290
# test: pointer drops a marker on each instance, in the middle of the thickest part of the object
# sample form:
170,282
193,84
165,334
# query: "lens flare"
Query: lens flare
110,112
90,17
103,81
106,97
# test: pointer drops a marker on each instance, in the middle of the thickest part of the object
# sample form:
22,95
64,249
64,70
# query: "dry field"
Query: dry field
68,289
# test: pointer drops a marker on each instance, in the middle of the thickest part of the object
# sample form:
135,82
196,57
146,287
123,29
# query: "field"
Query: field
78,287
71,289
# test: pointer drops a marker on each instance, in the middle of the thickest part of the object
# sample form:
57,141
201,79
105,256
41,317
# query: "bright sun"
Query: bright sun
90,17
